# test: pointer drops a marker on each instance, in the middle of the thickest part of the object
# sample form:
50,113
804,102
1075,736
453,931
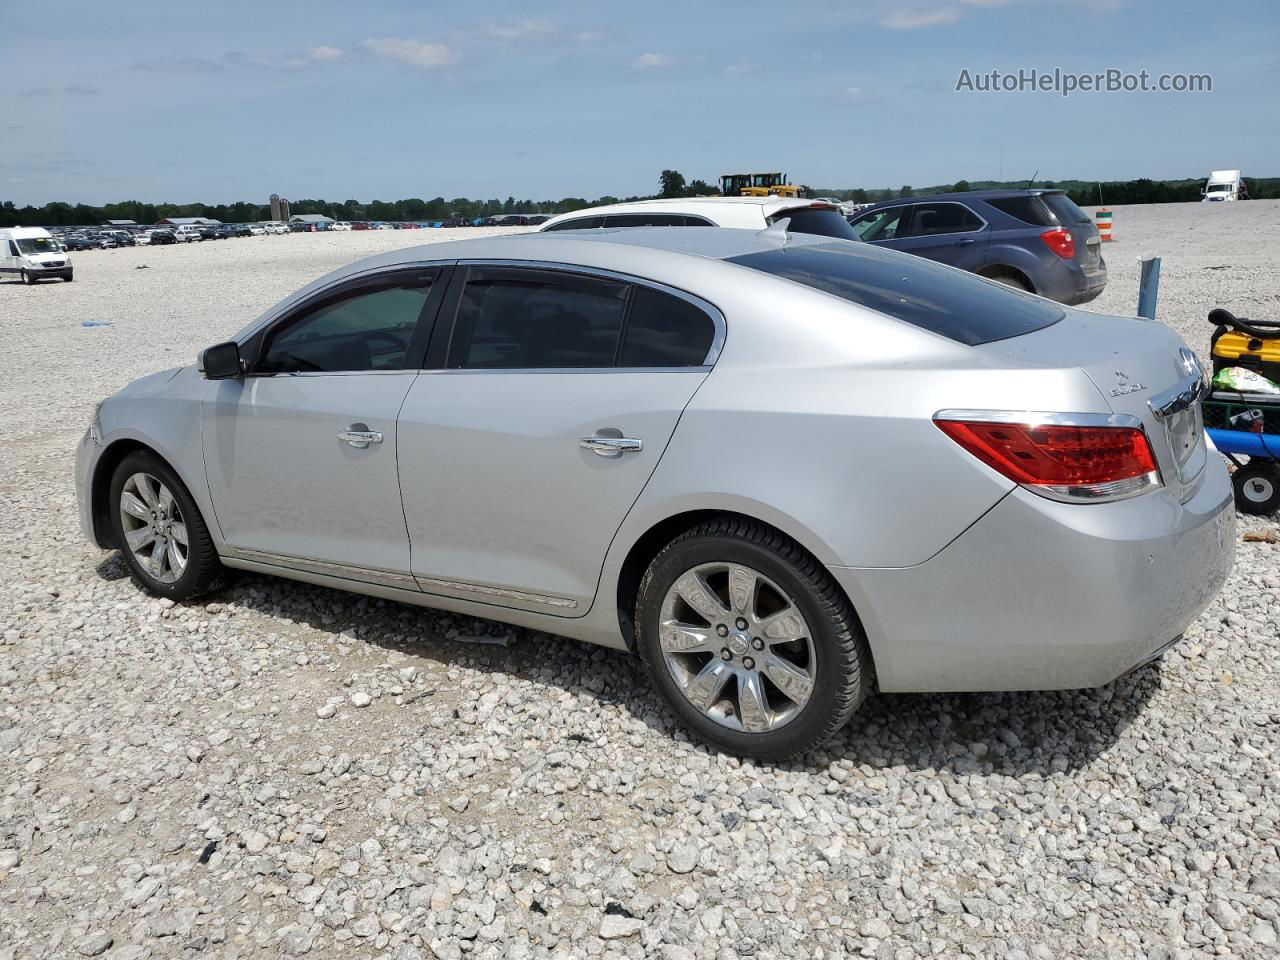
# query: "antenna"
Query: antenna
1032,180
776,231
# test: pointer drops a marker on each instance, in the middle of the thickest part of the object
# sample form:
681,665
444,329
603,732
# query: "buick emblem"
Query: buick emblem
1124,385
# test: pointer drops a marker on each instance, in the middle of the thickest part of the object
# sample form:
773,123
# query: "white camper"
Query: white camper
1224,185
33,253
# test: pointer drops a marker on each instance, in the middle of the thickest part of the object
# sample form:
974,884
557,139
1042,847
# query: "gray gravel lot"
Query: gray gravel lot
288,770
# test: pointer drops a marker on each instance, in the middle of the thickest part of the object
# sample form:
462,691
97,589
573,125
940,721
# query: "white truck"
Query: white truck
33,253
1224,185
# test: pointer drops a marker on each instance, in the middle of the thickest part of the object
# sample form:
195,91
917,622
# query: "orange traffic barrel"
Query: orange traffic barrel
1103,219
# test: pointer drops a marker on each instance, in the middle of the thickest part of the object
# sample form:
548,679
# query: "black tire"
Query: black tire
1257,488
68,278
843,670
28,279
203,571
1009,280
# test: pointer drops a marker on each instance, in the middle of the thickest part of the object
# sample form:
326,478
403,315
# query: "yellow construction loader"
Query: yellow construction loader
757,185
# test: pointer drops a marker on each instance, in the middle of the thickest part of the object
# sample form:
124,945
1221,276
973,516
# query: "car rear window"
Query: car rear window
1064,209
817,221
948,302
1028,209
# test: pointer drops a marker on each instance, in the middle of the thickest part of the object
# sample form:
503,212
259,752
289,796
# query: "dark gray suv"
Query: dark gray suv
1036,240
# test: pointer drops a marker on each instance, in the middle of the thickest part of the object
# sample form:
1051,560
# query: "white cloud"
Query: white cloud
590,35
854,95
416,53
914,18
647,61
521,30
178,65
739,67
324,52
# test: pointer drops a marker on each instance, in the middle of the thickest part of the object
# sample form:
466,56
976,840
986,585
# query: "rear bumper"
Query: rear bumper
1039,595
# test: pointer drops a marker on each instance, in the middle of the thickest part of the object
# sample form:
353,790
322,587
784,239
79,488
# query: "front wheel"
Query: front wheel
159,529
68,278
28,279
1257,488
750,641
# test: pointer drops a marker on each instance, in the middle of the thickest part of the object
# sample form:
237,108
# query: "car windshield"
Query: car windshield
942,300
1218,187
33,245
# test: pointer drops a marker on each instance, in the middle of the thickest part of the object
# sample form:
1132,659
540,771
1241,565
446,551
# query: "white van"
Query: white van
33,254
1224,185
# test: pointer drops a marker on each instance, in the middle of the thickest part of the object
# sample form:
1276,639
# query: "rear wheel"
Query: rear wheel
1257,488
1009,280
159,529
750,641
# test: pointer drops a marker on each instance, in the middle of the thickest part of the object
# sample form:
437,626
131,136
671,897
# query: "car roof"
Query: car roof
965,195
706,206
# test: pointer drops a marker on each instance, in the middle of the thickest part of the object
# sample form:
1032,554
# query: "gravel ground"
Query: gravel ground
289,770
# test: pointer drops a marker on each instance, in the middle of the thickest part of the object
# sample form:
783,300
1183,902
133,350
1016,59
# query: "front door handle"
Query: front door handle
965,242
359,435
611,446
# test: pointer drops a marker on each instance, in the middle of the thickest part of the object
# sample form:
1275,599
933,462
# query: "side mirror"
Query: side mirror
221,361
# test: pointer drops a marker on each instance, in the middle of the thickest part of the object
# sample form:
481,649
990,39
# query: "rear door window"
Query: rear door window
948,302
581,223
928,219
514,319
1064,209
665,331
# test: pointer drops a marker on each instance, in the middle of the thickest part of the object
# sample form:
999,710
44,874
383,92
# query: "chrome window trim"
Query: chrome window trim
710,309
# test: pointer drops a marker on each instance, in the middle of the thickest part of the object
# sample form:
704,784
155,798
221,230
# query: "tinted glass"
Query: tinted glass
1064,209
644,220
879,224
823,222
934,218
665,331
581,223
523,319
1028,209
956,305
369,330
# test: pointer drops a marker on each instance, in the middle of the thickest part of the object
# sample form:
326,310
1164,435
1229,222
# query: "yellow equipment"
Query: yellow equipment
757,185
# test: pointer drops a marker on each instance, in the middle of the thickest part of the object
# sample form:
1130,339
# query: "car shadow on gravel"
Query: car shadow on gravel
1007,734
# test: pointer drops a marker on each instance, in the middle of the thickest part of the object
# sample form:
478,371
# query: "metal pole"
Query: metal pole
1148,286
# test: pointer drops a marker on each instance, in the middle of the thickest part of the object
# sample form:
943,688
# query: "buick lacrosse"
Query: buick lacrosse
784,470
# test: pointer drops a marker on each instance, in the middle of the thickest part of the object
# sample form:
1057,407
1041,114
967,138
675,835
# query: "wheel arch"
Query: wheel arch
650,543
994,270
100,485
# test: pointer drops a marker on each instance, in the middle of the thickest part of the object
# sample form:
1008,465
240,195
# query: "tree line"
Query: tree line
671,183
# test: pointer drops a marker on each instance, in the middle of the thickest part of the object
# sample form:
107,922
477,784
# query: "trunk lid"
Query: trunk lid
1142,369
1083,231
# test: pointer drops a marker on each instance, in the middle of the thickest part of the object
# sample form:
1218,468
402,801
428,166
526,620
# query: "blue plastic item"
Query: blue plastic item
1264,445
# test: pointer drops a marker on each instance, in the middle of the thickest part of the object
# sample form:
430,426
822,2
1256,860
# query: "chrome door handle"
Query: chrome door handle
611,446
360,436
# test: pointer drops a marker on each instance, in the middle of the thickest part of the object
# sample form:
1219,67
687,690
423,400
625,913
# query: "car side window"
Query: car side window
937,218
13,249
665,331
511,319
366,329
581,223
879,224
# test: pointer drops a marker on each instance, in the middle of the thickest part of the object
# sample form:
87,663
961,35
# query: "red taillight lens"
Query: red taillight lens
1061,242
1065,462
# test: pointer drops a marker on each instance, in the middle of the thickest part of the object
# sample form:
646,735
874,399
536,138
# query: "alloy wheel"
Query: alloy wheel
737,647
154,529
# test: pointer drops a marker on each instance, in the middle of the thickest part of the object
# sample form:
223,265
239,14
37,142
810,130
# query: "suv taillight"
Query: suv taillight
1059,461
1061,242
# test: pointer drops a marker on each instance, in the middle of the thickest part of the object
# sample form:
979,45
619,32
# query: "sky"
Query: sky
385,99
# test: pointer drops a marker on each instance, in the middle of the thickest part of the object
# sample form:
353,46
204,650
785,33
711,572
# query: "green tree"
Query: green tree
962,186
673,184
906,191
700,188
859,196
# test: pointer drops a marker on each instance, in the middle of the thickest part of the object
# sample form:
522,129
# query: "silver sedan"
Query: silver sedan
784,470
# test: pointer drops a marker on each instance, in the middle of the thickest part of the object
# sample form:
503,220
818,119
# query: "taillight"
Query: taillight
1061,242
1058,460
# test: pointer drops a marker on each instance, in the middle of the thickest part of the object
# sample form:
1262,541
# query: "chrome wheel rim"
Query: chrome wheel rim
155,531
737,646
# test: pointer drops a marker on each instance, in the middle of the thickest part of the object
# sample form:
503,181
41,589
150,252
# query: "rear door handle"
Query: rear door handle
359,435
965,242
611,446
